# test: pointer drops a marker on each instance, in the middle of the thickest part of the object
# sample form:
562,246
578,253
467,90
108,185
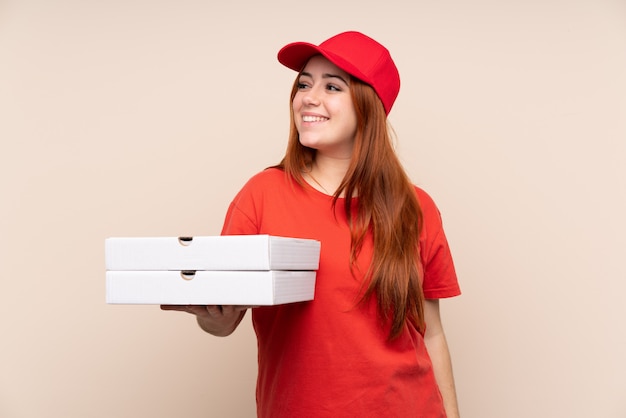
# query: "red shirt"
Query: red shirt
330,357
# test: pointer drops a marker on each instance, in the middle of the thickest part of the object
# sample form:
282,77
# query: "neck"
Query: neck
326,174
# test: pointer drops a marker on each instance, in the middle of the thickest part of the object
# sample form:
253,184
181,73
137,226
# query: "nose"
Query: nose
311,98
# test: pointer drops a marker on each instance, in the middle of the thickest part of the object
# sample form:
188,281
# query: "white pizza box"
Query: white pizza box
270,287
226,252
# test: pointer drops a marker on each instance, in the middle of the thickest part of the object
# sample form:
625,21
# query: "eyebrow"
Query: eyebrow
326,75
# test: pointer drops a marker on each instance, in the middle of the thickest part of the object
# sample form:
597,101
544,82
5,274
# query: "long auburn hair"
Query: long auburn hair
387,205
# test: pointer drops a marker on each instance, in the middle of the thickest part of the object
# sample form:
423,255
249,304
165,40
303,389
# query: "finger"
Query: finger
214,310
174,307
192,309
231,309
244,307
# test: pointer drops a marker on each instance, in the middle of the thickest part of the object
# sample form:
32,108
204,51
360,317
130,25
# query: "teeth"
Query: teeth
313,119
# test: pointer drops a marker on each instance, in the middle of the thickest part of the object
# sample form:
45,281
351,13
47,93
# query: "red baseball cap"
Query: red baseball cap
355,53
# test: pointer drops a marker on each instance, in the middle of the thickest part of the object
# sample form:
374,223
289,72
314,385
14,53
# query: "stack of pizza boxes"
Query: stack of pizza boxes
253,270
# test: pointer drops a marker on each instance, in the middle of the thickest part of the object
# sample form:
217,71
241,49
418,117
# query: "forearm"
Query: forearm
442,365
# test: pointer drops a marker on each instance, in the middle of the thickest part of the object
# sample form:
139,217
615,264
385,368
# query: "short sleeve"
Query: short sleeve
440,279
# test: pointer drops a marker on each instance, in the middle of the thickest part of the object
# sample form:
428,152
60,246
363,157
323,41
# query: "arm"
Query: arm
217,320
437,347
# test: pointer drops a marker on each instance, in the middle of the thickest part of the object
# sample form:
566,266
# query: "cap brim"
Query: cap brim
296,54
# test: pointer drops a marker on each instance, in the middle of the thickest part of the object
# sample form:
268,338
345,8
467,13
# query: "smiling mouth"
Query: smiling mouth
314,119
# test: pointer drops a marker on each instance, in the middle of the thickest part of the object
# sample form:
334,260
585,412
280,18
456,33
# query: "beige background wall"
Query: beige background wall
143,118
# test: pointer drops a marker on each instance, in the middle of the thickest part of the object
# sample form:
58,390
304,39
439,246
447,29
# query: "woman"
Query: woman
371,344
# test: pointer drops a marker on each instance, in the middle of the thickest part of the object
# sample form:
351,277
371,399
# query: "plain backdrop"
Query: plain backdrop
144,118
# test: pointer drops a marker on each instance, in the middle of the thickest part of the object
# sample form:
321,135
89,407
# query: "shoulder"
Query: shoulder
429,208
266,177
423,196
247,207
264,181
268,185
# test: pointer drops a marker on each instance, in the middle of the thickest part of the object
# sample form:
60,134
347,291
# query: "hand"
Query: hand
220,320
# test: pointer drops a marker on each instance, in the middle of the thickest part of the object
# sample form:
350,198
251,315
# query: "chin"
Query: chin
309,143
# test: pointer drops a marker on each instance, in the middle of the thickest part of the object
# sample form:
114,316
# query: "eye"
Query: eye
333,87
302,85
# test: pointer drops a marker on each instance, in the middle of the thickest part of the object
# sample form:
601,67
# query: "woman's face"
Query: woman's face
323,110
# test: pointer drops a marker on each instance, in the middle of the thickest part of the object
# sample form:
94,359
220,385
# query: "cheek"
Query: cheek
295,106
351,119
296,103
